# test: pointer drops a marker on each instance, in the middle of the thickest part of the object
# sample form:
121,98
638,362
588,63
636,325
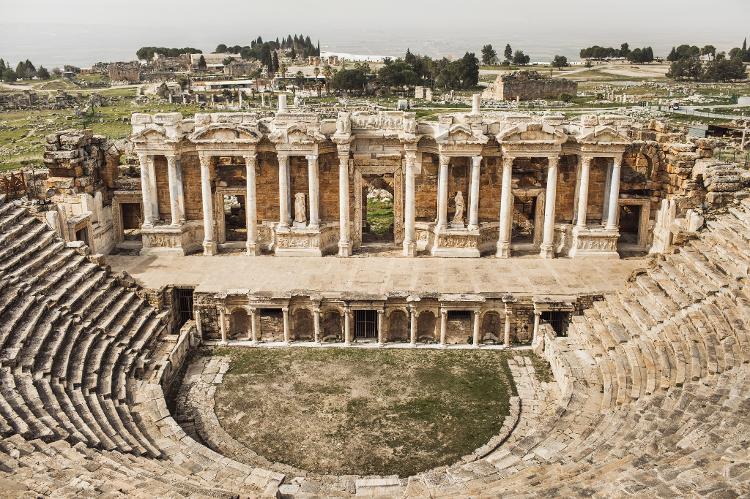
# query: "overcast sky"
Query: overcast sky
85,31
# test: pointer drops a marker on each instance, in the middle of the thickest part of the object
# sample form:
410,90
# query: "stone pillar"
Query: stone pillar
148,217
548,241
251,207
313,190
285,314
475,324
537,317
476,162
282,103
316,324
583,192
381,337
176,193
410,245
253,325
222,324
152,187
347,326
413,315
442,194
506,332
476,101
283,190
209,242
506,209
345,244
614,195
443,326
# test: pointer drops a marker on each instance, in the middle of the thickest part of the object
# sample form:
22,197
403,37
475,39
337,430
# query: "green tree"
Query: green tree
220,49
672,55
520,58
42,73
624,50
508,52
202,63
299,79
9,75
489,55
350,80
709,50
724,70
688,68
397,74
560,61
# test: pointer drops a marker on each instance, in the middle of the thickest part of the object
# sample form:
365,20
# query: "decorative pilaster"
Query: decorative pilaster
547,249
506,207
442,194
148,217
209,242
251,207
614,194
176,193
475,332
285,314
443,326
410,245
284,219
583,192
313,189
345,244
476,162
381,336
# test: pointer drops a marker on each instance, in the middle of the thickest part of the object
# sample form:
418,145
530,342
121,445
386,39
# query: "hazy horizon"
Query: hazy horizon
82,32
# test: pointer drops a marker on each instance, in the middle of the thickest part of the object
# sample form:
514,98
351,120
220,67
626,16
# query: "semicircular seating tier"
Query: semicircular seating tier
653,384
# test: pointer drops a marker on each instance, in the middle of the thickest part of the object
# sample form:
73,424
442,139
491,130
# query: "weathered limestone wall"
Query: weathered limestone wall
425,189
267,187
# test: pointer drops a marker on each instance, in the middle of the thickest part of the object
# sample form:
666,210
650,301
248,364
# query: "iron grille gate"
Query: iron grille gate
183,301
365,324
558,320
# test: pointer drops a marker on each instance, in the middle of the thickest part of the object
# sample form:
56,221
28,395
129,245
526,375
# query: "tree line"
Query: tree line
687,64
638,55
490,57
25,70
147,53
293,46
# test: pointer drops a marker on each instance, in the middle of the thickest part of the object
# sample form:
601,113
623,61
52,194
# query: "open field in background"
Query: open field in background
364,411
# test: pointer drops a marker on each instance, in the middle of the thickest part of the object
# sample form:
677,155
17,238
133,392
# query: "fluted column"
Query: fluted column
442,194
176,193
476,162
209,242
316,324
443,326
506,207
413,315
251,207
381,336
547,249
614,194
347,326
475,330
148,217
410,245
283,190
313,190
583,192
285,315
345,244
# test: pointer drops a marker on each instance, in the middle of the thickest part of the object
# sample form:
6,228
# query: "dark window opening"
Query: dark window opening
558,320
131,221
365,324
83,235
459,315
183,306
524,216
630,221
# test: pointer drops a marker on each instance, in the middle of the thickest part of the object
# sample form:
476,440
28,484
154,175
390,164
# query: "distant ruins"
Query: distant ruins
529,85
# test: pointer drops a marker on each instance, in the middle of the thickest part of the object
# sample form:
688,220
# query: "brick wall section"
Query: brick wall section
490,186
191,184
267,187
328,167
425,189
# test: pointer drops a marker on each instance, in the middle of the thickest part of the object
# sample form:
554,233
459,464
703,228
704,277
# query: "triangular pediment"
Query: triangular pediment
152,134
532,133
603,135
225,133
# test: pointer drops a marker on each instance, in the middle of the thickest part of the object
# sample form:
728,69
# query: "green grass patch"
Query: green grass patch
359,411
379,216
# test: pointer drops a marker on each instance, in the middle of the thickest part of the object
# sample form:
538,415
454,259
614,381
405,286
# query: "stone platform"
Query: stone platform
380,275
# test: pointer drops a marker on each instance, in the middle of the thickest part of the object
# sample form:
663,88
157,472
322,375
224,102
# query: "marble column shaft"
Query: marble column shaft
253,325
475,329
316,324
443,326
251,206
148,217
506,207
283,190
347,326
313,189
285,315
583,192
209,243
222,324
413,315
442,201
410,206
152,187
176,192
476,165
614,195
345,245
506,328
381,322
548,240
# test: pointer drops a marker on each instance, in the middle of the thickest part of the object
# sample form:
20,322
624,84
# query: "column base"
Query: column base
252,249
503,250
210,248
410,248
345,249
547,251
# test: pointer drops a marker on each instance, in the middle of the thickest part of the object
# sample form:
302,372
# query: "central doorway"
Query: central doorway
630,223
235,223
377,209
365,324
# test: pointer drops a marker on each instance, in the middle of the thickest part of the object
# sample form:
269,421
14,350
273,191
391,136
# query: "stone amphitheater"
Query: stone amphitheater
650,393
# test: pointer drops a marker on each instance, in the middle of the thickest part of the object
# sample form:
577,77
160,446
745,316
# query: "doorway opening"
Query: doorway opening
524,220
365,324
131,221
377,209
630,222
83,235
558,320
182,298
235,224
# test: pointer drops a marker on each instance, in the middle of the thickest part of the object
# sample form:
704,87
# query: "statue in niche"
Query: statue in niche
458,217
300,218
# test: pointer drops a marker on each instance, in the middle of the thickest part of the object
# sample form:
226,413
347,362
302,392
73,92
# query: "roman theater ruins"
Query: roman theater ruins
614,250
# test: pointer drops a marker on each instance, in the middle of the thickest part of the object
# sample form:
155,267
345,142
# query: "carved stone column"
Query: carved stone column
222,324
443,326
176,193
381,337
413,315
547,249
506,209
253,325
251,207
209,240
285,315
345,243
283,190
614,194
316,324
476,162
537,317
148,217
506,331
152,187
313,190
410,245
442,194
475,332
347,326
583,192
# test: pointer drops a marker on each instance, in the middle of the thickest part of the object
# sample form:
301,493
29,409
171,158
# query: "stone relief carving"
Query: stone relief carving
458,217
300,218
